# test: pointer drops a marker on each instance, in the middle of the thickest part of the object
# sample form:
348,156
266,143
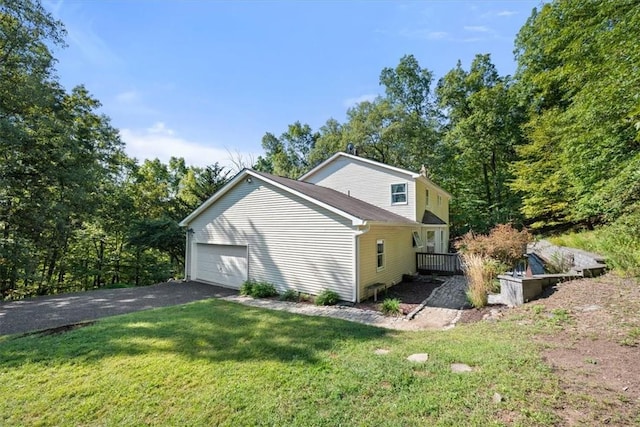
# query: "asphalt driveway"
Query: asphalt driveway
54,311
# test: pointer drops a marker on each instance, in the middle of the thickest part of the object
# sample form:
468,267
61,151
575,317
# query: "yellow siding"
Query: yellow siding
400,257
441,210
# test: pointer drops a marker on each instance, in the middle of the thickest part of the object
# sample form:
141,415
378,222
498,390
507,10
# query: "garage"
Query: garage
225,265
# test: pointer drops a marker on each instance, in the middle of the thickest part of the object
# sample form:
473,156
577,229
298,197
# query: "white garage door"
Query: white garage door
222,264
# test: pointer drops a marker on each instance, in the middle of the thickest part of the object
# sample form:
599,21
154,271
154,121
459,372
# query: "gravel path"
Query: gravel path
47,312
427,318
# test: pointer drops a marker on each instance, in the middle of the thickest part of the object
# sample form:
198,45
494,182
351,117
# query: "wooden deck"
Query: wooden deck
432,263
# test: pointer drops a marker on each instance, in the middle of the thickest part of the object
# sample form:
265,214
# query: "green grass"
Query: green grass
619,243
218,363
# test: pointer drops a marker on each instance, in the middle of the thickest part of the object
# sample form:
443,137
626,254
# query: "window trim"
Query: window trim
380,255
405,192
430,244
417,240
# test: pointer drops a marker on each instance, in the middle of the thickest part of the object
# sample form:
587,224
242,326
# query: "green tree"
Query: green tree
288,155
577,71
481,132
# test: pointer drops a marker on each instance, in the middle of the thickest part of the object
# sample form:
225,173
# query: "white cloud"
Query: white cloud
159,141
423,34
92,46
132,103
352,102
506,13
478,29
128,97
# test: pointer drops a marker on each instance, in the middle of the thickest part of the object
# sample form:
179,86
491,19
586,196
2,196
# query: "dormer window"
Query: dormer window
399,194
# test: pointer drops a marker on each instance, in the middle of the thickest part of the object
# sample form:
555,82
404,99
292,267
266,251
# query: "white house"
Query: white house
346,225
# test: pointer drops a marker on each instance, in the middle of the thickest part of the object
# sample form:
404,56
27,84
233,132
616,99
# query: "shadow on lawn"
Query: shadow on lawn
212,330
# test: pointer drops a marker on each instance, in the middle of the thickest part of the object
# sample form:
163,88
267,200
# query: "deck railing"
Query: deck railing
430,263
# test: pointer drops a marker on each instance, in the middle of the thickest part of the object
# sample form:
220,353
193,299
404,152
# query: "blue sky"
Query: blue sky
202,79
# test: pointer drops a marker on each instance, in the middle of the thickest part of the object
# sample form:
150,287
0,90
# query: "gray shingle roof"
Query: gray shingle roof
350,205
432,219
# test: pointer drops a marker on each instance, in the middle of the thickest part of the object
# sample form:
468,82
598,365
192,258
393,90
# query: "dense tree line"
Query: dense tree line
75,211
555,145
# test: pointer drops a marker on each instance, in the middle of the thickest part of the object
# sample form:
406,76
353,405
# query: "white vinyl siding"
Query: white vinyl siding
225,265
399,257
291,242
368,182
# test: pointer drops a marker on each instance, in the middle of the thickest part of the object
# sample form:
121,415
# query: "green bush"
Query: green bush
258,289
247,288
289,295
391,307
618,242
327,297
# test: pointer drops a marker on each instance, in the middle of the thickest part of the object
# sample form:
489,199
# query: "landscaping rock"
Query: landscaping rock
418,357
460,368
586,308
497,398
381,351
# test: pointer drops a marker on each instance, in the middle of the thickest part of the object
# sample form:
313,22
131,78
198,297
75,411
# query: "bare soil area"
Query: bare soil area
411,294
595,348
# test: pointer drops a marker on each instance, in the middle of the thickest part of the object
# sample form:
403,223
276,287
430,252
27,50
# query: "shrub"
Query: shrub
391,306
504,244
247,288
480,272
327,297
258,289
263,290
289,295
304,297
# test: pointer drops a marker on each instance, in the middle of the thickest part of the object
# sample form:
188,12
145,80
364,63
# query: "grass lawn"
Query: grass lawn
219,363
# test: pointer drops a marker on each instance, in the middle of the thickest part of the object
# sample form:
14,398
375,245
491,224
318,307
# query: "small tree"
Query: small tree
484,256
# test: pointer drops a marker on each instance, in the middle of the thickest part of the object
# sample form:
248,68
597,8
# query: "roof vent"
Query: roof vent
351,149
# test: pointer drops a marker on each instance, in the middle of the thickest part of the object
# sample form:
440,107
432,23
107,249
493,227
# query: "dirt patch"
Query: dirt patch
60,329
595,350
473,315
411,294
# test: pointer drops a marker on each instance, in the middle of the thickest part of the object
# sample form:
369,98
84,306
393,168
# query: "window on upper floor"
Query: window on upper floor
439,200
399,194
426,198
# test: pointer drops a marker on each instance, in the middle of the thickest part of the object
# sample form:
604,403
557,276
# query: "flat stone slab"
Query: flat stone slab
418,357
587,308
381,351
460,368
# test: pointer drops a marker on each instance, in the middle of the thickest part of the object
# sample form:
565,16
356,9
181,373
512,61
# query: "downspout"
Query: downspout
187,255
356,245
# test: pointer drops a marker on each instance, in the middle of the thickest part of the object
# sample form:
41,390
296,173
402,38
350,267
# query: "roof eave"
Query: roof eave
222,191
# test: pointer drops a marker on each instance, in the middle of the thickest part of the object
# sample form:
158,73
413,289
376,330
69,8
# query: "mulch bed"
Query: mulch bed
410,294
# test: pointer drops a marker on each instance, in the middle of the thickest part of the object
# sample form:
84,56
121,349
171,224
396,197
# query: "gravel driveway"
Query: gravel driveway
53,311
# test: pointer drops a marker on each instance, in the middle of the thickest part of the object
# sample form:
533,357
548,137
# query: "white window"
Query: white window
417,241
399,194
380,254
426,193
439,200
431,241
